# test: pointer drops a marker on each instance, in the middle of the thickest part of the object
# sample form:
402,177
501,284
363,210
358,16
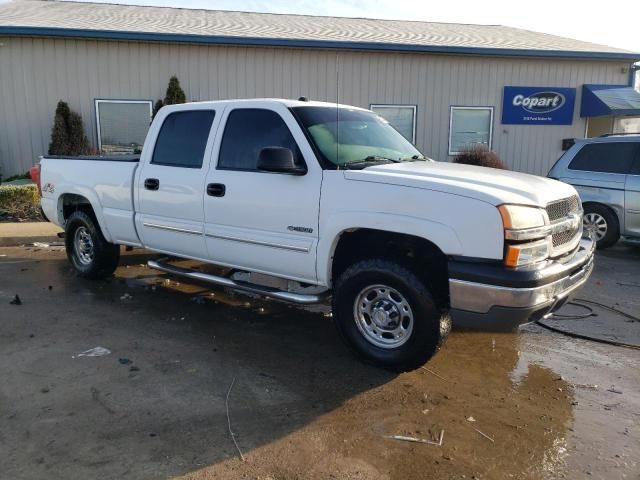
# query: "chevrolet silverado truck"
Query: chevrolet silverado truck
305,201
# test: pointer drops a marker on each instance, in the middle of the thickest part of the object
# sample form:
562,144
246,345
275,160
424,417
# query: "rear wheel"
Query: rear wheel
387,314
602,224
87,250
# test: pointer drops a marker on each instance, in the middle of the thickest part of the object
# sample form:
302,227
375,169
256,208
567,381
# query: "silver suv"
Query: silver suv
606,173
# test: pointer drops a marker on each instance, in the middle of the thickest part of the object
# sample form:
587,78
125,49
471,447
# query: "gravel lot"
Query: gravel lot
510,405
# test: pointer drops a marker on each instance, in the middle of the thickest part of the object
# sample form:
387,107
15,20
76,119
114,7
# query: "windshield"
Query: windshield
347,137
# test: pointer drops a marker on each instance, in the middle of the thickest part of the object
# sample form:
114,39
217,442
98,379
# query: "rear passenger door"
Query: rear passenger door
632,199
259,221
170,183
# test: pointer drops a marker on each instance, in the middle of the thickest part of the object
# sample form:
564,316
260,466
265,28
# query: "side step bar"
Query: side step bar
242,286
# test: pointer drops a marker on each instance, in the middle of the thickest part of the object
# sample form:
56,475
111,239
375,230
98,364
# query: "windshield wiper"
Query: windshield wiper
370,158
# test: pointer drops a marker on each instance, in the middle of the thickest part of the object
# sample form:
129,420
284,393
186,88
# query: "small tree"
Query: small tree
174,95
157,106
67,134
78,143
60,132
59,137
63,109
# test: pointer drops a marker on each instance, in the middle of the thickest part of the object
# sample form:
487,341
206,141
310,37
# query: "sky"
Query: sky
616,24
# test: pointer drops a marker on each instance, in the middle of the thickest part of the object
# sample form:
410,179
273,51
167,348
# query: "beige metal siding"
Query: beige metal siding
36,72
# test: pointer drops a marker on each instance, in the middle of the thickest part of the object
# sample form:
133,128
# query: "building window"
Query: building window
626,125
122,125
400,117
469,126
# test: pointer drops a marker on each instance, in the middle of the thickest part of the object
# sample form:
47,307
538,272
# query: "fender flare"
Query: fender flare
441,235
94,201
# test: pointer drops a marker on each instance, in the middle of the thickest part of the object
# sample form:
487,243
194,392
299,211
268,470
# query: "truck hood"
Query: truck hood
486,184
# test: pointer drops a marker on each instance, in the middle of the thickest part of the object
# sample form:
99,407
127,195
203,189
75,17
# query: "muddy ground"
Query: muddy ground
535,405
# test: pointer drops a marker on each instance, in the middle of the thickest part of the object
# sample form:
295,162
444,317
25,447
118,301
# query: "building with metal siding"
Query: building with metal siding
51,50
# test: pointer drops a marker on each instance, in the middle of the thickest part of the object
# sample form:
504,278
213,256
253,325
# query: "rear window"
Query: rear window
610,157
183,139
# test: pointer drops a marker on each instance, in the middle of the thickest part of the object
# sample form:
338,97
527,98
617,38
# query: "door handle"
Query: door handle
216,190
152,184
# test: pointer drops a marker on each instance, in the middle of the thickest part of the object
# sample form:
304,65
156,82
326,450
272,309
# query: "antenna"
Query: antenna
337,109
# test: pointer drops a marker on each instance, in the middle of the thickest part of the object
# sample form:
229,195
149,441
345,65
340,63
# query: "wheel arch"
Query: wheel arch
423,255
85,201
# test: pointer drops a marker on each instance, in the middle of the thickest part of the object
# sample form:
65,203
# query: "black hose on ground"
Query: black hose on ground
590,313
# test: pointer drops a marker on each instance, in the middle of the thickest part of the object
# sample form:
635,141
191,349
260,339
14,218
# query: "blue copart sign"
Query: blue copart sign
538,105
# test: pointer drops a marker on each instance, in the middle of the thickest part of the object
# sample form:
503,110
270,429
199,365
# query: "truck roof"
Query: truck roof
611,137
282,101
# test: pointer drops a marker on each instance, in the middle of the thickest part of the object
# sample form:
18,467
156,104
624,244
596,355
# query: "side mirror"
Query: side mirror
278,160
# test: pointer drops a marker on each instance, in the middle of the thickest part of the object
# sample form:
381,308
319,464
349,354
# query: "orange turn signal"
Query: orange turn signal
512,256
526,253
506,218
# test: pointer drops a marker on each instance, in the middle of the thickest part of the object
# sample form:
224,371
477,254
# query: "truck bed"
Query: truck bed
106,181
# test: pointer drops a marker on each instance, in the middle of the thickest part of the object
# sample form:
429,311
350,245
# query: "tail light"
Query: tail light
34,172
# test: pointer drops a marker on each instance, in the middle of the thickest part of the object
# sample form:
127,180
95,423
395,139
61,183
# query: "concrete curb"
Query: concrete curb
21,233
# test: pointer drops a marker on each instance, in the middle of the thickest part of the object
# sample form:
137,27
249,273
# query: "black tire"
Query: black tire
430,323
104,256
611,225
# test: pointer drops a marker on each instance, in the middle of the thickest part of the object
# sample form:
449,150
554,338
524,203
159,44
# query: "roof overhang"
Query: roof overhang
616,100
139,36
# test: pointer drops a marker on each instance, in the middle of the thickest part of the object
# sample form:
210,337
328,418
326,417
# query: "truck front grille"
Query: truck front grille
558,211
561,238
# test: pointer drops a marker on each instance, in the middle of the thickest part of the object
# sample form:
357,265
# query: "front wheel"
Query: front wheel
388,315
602,224
87,250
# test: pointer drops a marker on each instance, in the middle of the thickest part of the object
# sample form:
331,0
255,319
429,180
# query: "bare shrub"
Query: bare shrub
481,156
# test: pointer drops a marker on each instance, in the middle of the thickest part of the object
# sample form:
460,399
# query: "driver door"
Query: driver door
259,221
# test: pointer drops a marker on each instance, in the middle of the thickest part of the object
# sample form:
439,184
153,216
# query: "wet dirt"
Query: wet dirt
612,311
532,405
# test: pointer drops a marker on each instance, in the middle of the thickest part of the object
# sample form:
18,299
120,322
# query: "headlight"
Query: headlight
516,217
526,234
526,253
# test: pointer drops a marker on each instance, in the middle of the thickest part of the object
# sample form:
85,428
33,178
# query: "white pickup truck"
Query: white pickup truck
305,200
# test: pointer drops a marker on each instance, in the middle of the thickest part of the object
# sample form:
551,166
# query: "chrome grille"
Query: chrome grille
561,238
558,211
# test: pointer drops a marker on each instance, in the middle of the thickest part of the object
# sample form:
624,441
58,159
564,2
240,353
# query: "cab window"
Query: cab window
183,139
247,132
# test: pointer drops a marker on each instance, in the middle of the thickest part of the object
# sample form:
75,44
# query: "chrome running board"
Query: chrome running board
241,286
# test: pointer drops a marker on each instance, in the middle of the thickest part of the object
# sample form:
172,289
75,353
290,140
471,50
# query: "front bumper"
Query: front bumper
490,296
